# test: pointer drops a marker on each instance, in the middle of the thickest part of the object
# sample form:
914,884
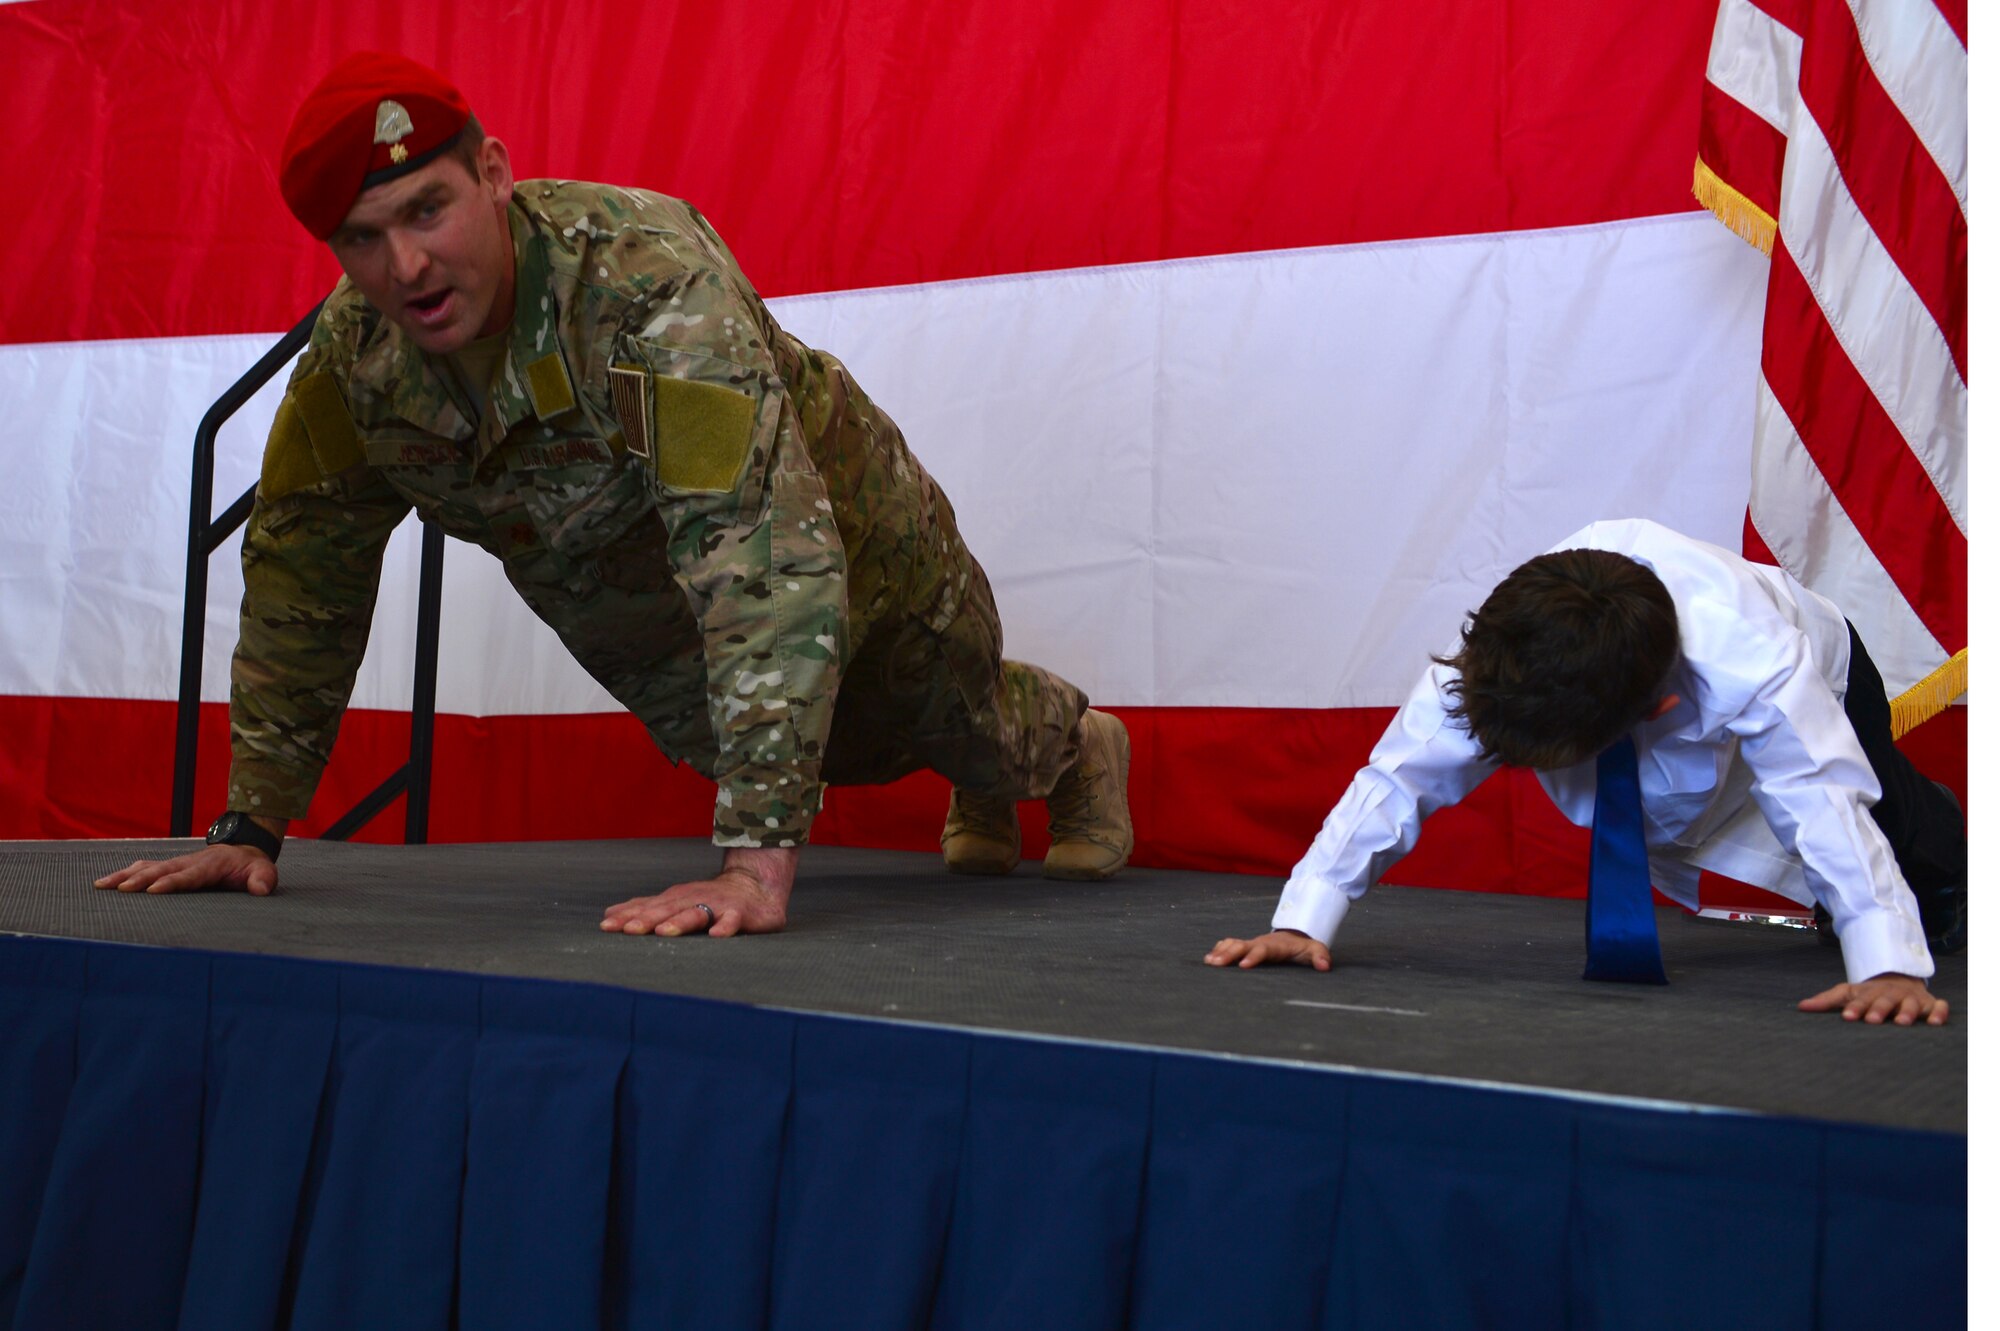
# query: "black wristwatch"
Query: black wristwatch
237,829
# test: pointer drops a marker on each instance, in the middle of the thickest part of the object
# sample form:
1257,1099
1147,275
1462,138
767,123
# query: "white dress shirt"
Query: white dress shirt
1755,773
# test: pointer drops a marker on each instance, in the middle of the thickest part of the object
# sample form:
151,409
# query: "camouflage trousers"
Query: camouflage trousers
939,696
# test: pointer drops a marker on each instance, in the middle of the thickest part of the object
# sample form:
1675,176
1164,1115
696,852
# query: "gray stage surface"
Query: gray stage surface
1437,983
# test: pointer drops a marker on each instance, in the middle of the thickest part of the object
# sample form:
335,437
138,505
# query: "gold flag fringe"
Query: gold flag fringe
1737,213
1928,696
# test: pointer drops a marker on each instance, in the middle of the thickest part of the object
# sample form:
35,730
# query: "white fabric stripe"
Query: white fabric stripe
93,506
1800,518
1300,469
1877,316
1923,67
1262,480
1755,59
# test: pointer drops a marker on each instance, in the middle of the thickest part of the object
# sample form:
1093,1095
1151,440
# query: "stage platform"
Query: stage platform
1434,983
1450,1090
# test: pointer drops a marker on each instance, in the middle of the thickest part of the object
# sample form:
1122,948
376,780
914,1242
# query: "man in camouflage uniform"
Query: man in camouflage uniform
719,524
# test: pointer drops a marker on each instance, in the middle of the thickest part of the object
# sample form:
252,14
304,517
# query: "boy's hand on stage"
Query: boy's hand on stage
1903,999
1283,945
242,867
748,897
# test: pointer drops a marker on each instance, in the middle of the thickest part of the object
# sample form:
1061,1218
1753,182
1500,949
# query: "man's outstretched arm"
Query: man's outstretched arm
749,896
243,867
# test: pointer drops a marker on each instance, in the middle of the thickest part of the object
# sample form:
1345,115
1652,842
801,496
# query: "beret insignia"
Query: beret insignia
392,126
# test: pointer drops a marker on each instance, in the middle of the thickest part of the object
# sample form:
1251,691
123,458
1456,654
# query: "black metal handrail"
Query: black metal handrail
413,778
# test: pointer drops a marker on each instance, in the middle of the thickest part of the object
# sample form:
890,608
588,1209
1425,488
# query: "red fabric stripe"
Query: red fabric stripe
1893,178
1885,490
871,142
1742,148
1794,14
1954,14
1755,549
1238,791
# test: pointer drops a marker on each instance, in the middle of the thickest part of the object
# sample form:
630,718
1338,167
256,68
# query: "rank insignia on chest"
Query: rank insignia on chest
632,399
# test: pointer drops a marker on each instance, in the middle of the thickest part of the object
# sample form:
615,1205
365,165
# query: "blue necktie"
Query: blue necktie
1624,938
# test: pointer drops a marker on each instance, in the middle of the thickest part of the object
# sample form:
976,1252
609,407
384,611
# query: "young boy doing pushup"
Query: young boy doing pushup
1762,746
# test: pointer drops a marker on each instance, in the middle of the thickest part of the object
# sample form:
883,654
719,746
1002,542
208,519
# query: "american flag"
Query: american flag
1833,137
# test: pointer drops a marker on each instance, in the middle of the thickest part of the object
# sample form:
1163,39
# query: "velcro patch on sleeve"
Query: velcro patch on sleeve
701,434
323,409
288,456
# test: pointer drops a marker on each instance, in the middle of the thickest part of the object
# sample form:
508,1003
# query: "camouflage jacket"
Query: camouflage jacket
711,515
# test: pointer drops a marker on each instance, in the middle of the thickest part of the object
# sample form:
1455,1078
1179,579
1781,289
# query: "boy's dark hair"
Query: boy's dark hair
1569,652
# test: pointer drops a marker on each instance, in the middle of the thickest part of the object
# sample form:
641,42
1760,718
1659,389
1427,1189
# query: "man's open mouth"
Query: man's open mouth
431,303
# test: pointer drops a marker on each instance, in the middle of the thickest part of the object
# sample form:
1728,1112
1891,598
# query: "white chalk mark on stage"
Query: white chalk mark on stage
1354,1007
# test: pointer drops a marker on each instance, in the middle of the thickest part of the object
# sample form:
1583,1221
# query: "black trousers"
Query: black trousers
1923,825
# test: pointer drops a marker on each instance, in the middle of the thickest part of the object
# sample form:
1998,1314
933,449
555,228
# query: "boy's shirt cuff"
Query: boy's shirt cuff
1312,906
1877,941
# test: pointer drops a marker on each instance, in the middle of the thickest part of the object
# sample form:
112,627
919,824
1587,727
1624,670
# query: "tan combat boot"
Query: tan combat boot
982,834
1090,825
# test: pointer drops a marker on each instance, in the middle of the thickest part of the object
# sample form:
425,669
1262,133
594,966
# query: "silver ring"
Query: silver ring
707,910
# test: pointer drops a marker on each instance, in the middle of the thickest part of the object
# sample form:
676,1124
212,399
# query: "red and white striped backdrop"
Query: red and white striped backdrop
1252,340
1834,138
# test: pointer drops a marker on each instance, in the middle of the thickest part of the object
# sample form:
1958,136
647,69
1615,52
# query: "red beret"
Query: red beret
373,118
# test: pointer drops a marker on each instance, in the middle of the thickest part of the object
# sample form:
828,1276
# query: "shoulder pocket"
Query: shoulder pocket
702,434
312,438
696,426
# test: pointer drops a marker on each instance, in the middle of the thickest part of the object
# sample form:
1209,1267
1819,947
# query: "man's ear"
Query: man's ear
496,170
1663,706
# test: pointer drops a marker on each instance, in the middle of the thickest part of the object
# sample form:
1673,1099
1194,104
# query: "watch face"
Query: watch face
222,827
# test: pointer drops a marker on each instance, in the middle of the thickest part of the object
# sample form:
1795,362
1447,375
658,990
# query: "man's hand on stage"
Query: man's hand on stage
242,867
1903,999
747,897
1283,945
